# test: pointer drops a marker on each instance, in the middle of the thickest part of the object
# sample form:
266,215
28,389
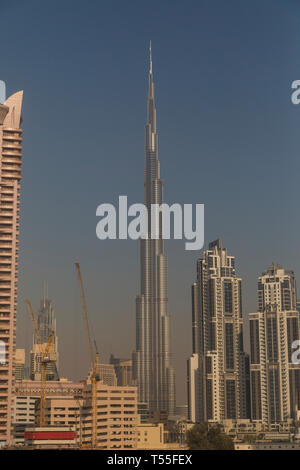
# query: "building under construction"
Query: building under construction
46,323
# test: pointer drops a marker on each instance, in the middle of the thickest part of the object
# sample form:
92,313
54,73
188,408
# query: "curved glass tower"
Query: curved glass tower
153,359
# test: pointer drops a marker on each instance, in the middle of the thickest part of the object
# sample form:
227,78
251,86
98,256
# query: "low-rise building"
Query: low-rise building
155,437
26,399
50,437
151,436
117,417
23,415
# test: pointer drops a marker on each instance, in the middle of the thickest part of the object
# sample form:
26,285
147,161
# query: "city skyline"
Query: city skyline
213,141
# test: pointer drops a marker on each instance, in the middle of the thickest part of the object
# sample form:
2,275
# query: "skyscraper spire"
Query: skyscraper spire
45,292
151,118
150,52
153,367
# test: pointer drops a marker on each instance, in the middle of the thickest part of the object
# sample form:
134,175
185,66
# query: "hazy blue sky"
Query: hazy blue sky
228,137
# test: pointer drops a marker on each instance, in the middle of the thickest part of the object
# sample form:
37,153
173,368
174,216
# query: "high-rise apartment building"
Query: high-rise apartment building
10,176
275,379
152,359
217,385
46,323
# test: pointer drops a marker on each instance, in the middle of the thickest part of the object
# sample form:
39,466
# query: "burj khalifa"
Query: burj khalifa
152,358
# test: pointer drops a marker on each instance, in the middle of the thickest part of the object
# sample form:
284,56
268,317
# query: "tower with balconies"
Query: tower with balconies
10,176
218,387
275,376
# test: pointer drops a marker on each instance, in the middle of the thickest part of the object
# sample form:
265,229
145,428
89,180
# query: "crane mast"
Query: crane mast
93,359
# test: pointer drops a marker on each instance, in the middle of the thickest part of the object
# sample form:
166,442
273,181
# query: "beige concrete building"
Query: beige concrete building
50,437
62,412
23,415
20,364
63,394
155,437
151,436
10,176
117,416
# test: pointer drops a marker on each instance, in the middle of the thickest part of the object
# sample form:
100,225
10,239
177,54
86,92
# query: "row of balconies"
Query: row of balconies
8,175
8,204
10,164
9,171
6,279
11,143
6,289
12,150
7,196
4,335
5,214
4,261
12,133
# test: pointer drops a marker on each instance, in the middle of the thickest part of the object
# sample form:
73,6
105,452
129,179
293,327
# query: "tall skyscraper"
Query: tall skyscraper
275,379
10,176
46,322
152,359
217,385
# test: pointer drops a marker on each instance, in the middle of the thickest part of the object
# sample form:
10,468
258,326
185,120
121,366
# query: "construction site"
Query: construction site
95,413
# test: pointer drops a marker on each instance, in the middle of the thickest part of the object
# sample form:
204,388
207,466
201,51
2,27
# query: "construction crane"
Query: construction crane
93,357
46,358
